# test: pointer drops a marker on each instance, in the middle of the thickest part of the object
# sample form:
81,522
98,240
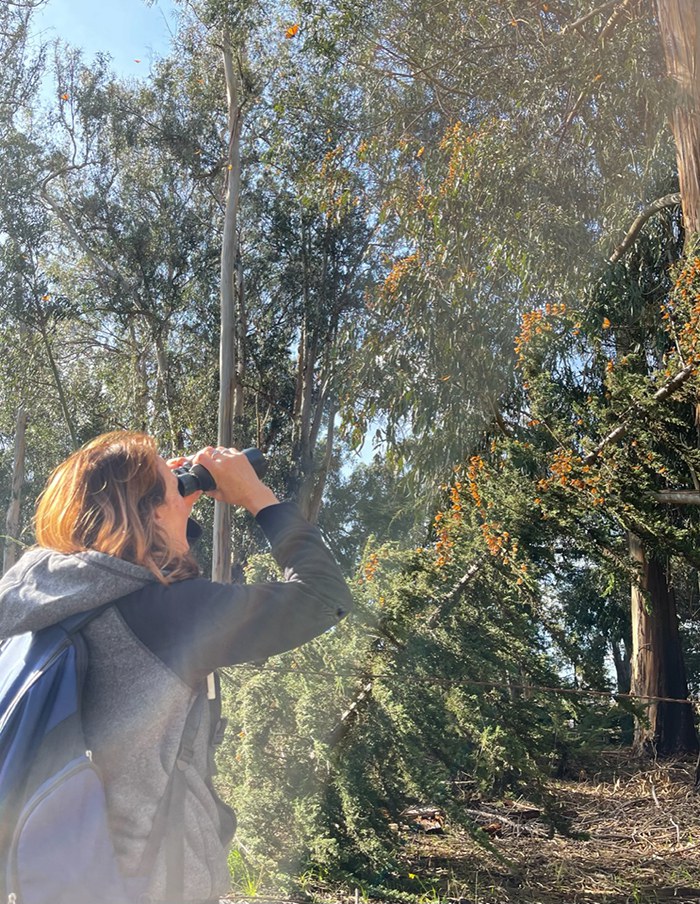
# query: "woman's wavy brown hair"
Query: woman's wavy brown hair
103,497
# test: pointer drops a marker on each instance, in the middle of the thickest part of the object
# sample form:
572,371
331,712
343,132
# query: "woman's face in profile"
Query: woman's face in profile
173,512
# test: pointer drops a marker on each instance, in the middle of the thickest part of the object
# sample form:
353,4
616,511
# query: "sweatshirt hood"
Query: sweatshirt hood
45,587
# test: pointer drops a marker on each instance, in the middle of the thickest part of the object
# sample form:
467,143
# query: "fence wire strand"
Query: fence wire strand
469,682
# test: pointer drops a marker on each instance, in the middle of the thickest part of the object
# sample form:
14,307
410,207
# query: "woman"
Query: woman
111,527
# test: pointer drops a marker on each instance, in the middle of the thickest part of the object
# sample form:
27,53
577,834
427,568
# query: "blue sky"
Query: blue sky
128,30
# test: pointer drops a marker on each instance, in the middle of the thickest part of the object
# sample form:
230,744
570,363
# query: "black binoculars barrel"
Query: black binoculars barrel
195,477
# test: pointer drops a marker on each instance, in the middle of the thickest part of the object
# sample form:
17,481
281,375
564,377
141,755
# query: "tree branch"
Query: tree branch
604,32
678,497
659,396
112,272
453,596
594,12
660,204
365,691
351,713
615,18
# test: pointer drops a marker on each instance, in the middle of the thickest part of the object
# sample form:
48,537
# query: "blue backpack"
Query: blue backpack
55,843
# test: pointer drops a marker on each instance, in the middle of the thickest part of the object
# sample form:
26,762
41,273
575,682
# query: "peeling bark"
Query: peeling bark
679,23
312,505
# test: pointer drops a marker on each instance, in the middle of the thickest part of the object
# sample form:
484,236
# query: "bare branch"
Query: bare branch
571,114
678,497
592,14
659,396
660,204
112,272
453,596
615,18
604,32
351,713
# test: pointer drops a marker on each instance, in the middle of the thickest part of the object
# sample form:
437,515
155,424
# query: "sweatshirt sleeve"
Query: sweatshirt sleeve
196,626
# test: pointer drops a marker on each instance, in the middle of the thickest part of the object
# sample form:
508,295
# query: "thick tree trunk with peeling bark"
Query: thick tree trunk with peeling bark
658,668
679,22
231,352
12,520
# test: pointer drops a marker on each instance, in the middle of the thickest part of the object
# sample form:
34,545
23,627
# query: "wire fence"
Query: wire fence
365,676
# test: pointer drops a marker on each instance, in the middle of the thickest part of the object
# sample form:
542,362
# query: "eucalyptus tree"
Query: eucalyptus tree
20,64
300,239
133,222
227,28
679,24
512,148
141,183
309,241
31,381
510,144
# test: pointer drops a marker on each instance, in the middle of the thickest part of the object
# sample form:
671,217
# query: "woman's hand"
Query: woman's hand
236,481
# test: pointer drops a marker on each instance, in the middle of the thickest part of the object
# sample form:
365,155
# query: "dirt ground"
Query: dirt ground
632,837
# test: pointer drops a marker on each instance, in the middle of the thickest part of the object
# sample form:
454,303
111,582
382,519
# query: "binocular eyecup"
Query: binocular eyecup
191,478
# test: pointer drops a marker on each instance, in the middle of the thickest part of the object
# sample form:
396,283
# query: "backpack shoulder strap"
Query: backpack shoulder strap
169,820
77,622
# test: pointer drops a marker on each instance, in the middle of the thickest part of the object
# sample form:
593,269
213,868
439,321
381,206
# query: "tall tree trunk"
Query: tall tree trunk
12,521
303,410
679,22
58,381
311,494
228,346
160,342
658,668
139,391
241,331
623,665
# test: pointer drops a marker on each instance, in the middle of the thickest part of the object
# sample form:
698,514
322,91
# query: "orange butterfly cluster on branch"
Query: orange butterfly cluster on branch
535,323
371,568
461,146
445,522
443,547
476,464
684,305
398,271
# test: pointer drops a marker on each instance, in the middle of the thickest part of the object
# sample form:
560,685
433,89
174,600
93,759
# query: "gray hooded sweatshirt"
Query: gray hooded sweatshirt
149,655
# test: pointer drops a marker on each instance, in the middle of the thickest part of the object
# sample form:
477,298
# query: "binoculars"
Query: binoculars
191,478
